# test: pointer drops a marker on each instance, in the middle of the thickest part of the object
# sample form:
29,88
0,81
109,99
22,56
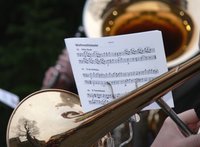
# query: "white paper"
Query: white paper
119,64
9,98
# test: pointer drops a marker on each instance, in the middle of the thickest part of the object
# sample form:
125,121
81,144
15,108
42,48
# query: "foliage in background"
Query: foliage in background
32,36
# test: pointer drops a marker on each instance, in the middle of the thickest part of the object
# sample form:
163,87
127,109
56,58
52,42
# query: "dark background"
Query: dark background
32,37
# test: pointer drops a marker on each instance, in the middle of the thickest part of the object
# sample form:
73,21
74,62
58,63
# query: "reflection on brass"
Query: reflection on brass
176,25
40,120
41,116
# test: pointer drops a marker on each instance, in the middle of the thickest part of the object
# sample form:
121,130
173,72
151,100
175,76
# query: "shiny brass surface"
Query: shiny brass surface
178,27
54,117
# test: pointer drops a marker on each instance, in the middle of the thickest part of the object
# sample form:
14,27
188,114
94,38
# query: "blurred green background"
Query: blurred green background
32,37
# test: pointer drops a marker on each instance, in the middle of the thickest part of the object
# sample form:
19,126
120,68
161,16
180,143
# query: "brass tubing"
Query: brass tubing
95,124
169,111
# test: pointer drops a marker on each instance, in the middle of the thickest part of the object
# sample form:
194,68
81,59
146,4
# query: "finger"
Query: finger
64,51
63,57
63,64
192,141
49,72
189,116
197,110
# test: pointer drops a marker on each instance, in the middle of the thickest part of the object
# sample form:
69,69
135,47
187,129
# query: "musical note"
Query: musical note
92,75
119,82
125,52
119,60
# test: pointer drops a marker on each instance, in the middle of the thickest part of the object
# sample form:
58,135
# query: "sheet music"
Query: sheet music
109,67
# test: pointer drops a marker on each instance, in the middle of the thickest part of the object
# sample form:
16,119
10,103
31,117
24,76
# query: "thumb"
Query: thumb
192,141
189,116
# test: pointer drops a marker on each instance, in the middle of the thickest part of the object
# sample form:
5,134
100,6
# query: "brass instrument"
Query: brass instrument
54,118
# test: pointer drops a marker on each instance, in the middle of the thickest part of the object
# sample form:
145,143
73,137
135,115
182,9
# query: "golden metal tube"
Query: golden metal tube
86,129
169,111
95,124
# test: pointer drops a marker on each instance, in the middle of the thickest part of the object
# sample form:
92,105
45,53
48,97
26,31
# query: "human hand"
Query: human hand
171,136
60,76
